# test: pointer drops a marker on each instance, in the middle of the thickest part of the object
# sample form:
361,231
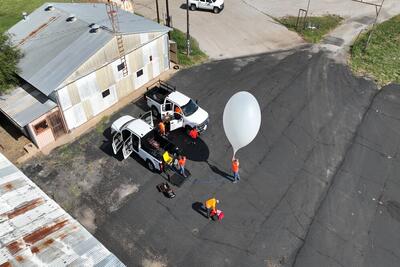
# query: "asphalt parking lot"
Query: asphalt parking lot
325,136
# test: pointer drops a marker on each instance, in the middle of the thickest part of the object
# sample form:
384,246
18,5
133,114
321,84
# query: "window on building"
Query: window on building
151,58
139,73
41,127
121,66
105,93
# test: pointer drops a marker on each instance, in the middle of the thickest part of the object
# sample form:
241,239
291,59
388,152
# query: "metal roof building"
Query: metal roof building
54,44
72,57
25,104
36,231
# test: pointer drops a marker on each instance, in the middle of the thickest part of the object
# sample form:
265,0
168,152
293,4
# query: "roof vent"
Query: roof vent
94,28
49,8
71,18
24,15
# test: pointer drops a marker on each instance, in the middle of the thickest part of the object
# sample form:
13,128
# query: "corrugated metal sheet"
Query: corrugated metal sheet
53,48
25,104
36,231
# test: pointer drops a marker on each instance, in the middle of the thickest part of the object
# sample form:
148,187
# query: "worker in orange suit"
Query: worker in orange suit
235,169
178,110
211,204
193,133
181,163
161,128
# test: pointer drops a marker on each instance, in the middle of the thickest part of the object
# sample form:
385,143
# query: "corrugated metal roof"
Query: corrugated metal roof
36,231
25,104
53,48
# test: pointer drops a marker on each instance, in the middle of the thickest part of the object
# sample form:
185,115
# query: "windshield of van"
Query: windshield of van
190,108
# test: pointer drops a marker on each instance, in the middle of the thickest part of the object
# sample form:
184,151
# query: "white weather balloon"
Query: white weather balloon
241,119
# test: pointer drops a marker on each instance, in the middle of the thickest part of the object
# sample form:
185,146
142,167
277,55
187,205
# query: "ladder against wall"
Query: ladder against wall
112,11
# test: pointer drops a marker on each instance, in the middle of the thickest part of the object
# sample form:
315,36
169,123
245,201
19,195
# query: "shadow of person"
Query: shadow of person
220,172
193,150
199,207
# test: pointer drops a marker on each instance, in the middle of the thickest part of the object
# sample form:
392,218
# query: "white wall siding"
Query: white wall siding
84,98
63,98
139,81
75,116
144,38
87,86
165,52
118,75
100,103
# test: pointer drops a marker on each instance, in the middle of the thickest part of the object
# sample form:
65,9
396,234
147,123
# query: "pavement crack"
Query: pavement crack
247,251
336,171
329,257
294,215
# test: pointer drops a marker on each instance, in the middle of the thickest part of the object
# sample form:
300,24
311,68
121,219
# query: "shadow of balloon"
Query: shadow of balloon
193,150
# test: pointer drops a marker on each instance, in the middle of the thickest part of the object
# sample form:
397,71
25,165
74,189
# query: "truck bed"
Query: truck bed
159,91
156,145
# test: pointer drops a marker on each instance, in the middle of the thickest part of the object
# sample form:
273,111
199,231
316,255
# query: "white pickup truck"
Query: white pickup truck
139,136
215,5
164,101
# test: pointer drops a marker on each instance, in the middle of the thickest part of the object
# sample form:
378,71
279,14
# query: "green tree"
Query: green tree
9,58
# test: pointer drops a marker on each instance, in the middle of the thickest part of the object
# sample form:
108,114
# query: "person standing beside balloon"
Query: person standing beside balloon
241,121
235,169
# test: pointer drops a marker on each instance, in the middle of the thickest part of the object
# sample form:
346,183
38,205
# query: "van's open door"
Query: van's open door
166,109
117,142
127,147
176,122
148,118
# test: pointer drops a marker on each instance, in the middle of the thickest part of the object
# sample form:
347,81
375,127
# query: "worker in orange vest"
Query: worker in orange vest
211,204
235,169
178,110
161,128
181,163
193,133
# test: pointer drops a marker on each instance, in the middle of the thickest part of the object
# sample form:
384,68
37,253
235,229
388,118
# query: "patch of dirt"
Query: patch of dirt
12,141
153,263
120,194
87,217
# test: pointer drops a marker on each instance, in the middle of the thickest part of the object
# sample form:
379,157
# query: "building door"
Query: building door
56,124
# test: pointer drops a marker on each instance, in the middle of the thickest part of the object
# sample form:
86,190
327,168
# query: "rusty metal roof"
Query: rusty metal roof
36,231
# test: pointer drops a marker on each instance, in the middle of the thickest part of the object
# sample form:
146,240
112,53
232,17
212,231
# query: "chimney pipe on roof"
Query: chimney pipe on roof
24,15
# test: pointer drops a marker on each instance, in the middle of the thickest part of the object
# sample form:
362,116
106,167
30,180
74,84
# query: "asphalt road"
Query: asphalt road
311,182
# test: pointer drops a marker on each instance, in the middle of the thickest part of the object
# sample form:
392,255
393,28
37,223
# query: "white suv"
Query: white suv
215,5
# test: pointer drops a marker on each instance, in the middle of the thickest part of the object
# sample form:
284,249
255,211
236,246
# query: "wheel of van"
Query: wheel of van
193,7
216,10
150,166
155,112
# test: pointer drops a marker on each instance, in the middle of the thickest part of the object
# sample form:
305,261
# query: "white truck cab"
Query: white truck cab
165,102
215,5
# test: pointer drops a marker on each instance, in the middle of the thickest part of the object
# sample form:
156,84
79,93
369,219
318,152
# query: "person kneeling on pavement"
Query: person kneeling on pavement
211,205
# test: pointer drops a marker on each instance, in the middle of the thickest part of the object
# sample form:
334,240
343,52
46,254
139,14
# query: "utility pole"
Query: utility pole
187,29
158,12
305,19
308,7
378,8
168,17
